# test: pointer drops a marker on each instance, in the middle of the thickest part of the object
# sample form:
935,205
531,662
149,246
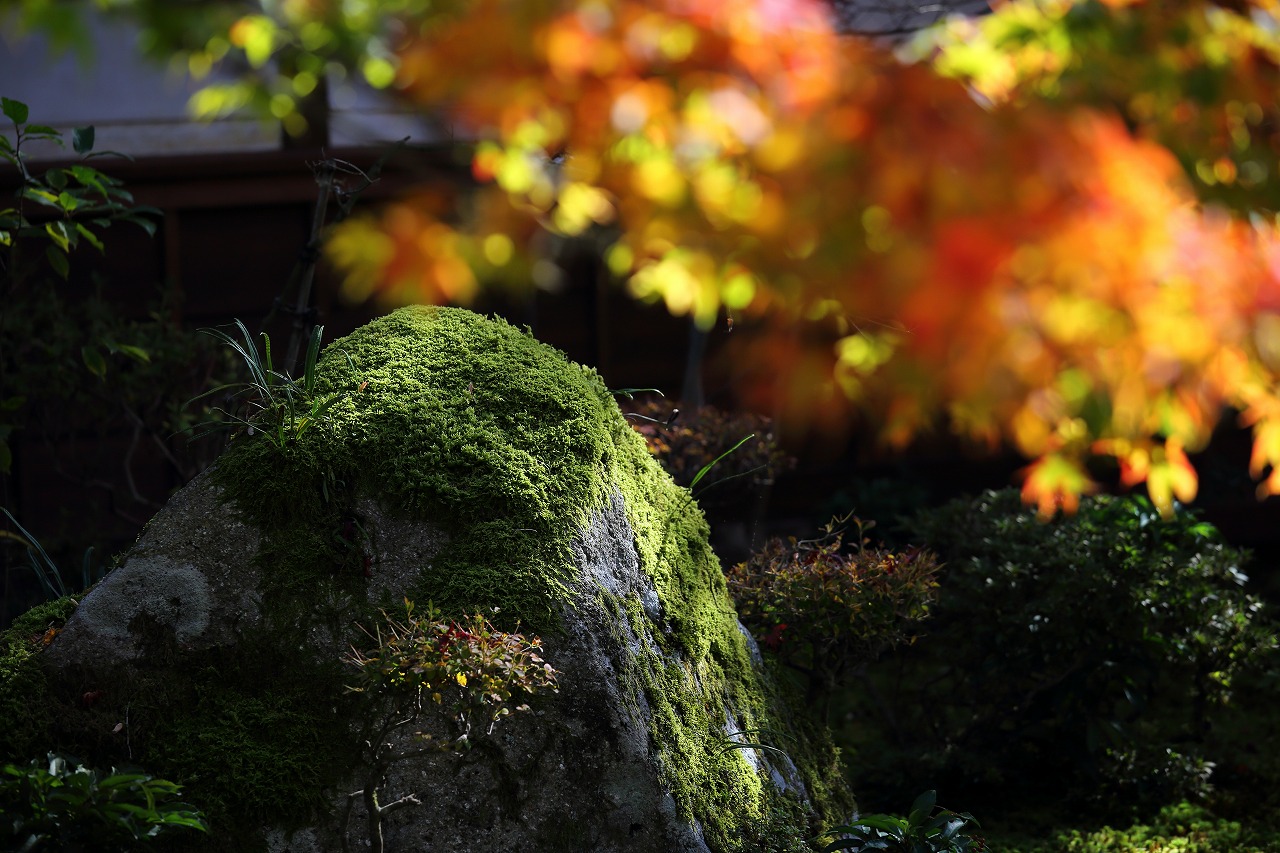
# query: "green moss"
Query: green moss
467,422
711,783
264,754
23,686
257,732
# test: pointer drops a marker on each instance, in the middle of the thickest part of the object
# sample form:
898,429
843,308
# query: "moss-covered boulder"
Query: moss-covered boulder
466,465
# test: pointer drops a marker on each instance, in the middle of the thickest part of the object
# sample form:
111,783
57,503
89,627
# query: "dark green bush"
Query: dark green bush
1077,659
58,804
926,829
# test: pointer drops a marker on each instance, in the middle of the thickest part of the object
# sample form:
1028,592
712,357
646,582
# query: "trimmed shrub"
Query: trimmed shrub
1077,659
824,609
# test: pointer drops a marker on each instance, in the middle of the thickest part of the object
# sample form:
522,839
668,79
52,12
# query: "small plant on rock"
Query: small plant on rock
467,666
271,402
824,609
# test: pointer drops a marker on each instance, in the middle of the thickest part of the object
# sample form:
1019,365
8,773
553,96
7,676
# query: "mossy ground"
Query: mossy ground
474,426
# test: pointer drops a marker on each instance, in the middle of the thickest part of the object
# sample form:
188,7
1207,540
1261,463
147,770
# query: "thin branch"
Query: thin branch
406,800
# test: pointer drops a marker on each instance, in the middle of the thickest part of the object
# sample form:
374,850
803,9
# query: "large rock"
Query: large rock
467,465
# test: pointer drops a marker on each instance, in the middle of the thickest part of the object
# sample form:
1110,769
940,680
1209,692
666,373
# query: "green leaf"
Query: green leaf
309,365
90,177
58,260
57,232
922,807
82,139
142,222
15,110
44,197
746,745
134,352
190,819
56,178
68,201
48,575
94,361
854,844
884,822
120,154
89,236
41,130
629,392
707,468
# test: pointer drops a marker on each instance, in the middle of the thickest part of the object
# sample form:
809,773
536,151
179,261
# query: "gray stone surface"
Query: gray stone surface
191,570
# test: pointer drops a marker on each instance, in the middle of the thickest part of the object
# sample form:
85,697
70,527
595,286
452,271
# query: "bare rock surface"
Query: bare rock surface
192,570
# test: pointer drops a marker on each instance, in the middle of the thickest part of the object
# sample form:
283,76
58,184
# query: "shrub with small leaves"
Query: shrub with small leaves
466,666
1079,659
824,608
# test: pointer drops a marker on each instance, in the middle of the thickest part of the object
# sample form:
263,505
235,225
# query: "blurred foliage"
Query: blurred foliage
1198,78
1086,658
1033,267
273,54
686,442
825,609
1030,274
